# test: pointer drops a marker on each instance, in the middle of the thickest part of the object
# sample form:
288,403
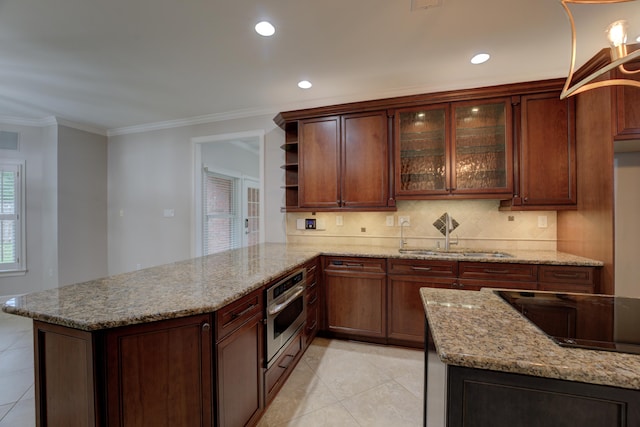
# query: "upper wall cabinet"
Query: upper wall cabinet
627,108
446,145
344,162
546,148
460,149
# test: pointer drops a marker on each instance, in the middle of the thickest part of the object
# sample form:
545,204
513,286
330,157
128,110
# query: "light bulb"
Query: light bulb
617,35
265,29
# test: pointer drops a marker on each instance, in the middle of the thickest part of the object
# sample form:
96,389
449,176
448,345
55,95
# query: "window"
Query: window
221,214
12,253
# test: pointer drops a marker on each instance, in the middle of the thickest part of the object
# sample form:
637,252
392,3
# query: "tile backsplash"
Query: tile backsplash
481,226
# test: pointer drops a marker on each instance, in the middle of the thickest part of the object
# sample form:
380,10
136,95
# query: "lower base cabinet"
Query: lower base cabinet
355,291
151,364
125,376
239,364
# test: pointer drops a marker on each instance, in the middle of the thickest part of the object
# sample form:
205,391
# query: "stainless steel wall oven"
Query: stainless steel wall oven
286,312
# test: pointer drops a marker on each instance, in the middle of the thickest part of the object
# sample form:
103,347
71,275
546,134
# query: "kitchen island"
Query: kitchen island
103,344
499,369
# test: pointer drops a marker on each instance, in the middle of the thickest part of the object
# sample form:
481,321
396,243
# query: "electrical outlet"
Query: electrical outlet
390,220
404,219
542,221
339,220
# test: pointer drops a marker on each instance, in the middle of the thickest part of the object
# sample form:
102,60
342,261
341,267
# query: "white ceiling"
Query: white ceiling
117,64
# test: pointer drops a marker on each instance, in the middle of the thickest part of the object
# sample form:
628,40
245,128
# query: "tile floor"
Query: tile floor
346,383
17,403
336,383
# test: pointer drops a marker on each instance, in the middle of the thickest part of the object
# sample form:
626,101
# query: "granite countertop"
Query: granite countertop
481,330
205,284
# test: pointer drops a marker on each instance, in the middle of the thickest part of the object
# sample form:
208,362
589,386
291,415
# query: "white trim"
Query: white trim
208,118
21,265
83,127
197,142
21,121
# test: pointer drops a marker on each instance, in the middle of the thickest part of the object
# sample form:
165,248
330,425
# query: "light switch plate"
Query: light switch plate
339,220
390,220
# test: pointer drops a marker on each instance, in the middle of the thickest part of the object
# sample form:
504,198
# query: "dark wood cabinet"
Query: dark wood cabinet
627,107
355,292
313,303
160,373
546,150
458,149
66,377
505,399
476,275
566,278
344,162
240,361
405,312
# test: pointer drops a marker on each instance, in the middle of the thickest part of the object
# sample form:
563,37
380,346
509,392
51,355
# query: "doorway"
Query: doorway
228,182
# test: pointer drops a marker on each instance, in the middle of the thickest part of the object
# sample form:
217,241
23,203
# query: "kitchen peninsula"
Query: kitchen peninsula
97,342
501,369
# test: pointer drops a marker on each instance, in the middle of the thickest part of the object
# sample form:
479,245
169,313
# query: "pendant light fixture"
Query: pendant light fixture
616,33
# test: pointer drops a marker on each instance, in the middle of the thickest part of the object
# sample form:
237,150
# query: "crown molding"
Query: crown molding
208,118
82,127
23,121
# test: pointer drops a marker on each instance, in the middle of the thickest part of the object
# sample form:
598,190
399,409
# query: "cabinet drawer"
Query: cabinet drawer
567,274
423,267
233,315
366,265
477,284
276,375
498,271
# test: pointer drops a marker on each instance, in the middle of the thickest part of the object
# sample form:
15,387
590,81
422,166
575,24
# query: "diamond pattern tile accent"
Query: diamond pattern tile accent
441,224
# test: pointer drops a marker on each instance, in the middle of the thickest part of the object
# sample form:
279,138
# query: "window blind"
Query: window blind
9,216
221,225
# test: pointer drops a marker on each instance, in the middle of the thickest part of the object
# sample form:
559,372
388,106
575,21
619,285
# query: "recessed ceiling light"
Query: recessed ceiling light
304,84
265,29
638,39
480,58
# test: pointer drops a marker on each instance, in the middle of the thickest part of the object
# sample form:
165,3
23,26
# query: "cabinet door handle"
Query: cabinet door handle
313,301
413,267
354,265
206,327
313,326
291,356
496,271
243,312
566,275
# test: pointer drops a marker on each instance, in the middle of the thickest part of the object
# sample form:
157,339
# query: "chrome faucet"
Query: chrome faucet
448,228
402,240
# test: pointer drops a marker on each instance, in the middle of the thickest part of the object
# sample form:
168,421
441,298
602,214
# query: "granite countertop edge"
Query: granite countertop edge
487,333
206,284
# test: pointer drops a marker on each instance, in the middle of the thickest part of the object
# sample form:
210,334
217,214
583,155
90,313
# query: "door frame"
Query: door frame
197,142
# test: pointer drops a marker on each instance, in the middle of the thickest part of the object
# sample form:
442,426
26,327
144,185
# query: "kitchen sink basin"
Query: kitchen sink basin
455,254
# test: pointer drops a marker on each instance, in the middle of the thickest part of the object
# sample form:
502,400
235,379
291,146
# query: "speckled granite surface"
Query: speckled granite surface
202,285
480,330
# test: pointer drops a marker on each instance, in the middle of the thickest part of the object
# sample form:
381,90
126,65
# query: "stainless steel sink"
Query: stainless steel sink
455,254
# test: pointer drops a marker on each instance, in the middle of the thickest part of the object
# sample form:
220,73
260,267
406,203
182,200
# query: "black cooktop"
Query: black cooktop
599,322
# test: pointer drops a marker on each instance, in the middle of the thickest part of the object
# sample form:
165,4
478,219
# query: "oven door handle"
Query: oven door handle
277,308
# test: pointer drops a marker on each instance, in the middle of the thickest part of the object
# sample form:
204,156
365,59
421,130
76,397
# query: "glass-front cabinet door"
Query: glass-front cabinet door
421,150
481,156
456,149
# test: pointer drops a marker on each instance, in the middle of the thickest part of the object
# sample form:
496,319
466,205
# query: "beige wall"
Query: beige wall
152,171
482,225
627,224
82,206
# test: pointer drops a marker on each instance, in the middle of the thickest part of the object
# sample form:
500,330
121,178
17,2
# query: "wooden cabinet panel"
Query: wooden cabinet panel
152,364
564,278
233,315
415,267
628,108
319,163
344,162
498,271
278,373
65,373
547,151
239,361
355,295
365,160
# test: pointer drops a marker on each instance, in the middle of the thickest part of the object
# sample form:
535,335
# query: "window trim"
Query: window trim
20,268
